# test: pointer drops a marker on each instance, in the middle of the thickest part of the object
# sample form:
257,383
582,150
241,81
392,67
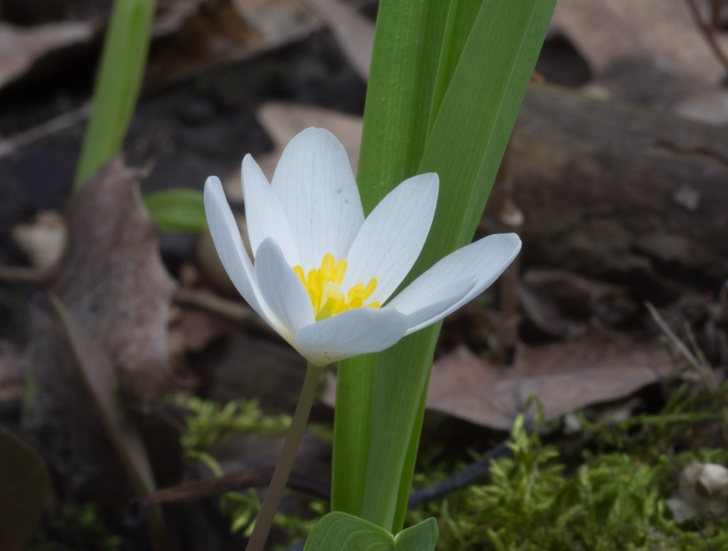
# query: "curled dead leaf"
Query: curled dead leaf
113,281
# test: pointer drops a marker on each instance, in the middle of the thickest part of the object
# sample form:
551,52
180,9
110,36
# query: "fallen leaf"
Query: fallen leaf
600,35
710,107
42,49
227,32
170,16
22,48
566,376
194,330
99,381
353,31
113,284
665,31
650,51
113,281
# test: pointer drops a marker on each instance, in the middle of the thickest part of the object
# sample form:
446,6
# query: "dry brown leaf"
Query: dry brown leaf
22,48
353,31
171,15
274,18
566,376
193,330
709,107
227,32
650,52
606,30
282,121
113,281
600,35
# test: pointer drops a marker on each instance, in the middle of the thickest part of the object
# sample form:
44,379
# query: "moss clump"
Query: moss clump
532,503
80,528
209,423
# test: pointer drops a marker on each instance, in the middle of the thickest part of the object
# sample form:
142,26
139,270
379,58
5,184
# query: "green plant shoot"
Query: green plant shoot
436,103
118,83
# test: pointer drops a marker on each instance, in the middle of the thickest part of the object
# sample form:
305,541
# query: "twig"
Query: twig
696,349
706,374
472,473
231,310
22,274
708,34
45,129
197,490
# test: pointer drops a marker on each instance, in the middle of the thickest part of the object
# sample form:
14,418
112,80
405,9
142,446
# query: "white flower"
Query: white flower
322,275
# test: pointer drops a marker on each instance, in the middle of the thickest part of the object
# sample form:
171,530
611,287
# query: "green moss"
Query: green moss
79,528
545,497
209,423
533,503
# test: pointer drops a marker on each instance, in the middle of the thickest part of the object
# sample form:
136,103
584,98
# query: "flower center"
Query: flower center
324,288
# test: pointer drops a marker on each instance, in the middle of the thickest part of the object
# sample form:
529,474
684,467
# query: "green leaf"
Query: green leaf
117,84
339,531
177,210
380,399
407,45
405,62
24,488
420,537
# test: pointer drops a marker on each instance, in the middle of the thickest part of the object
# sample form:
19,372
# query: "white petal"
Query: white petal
436,305
354,332
264,214
485,260
392,236
229,244
317,191
282,291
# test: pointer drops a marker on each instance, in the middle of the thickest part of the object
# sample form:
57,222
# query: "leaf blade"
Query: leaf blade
468,137
117,85
24,488
177,210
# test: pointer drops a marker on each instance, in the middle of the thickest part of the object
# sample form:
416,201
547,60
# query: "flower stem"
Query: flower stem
285,461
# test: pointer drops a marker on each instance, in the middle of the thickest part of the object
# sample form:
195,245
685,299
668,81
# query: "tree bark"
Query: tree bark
621,192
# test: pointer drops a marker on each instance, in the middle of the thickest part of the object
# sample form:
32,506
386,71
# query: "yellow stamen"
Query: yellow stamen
323,286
